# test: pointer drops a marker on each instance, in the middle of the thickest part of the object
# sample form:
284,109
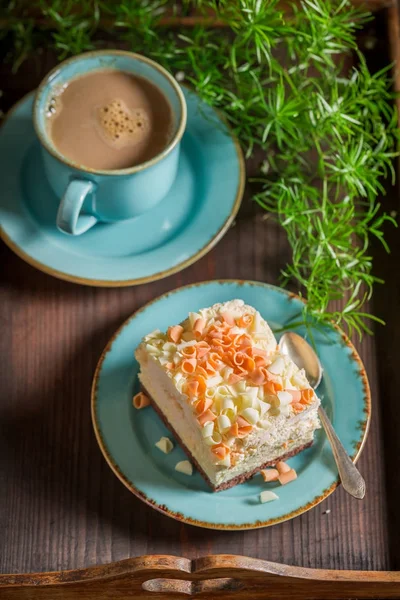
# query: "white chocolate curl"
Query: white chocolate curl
184,466
277,366
251,415
268,496
228,404
193,318
208,429
284,398
165,445
216,438
224,423
153,335
225,462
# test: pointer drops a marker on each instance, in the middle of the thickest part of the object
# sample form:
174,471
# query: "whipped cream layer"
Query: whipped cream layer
234,400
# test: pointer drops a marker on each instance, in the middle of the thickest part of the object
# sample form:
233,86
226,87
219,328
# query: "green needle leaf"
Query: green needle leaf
328,132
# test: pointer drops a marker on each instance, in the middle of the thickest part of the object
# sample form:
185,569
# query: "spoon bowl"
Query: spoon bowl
303,356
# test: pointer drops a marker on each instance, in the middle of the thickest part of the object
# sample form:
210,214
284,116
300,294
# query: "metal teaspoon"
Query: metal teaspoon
305,358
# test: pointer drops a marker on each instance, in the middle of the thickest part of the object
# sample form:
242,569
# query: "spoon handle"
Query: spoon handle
350,476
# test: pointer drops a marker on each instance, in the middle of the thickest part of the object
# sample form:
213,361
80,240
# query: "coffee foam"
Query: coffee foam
54,104
120,125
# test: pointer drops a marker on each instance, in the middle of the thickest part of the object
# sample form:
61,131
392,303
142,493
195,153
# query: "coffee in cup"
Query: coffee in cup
109,119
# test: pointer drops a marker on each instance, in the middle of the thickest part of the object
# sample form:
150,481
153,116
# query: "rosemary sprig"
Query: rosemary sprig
328,133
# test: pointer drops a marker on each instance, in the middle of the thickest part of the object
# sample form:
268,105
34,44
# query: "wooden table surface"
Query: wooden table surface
61,506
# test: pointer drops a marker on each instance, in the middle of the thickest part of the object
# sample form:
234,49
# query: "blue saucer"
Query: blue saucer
181,229
127,436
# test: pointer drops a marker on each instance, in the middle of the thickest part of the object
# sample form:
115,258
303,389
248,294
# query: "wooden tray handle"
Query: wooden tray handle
225,577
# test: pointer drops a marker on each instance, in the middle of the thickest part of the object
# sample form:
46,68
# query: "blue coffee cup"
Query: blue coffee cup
88,196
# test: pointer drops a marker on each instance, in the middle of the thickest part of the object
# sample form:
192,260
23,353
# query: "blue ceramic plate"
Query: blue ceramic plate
182,228
127,436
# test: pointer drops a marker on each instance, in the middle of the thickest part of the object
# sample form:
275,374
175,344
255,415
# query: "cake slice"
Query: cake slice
231,399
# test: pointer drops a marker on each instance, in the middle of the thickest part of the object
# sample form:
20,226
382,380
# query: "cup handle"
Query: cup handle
69,220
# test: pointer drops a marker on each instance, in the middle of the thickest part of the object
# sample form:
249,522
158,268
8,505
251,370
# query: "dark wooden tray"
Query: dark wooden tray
62,508
170,577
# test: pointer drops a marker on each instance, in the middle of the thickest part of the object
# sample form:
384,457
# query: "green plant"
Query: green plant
329,134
